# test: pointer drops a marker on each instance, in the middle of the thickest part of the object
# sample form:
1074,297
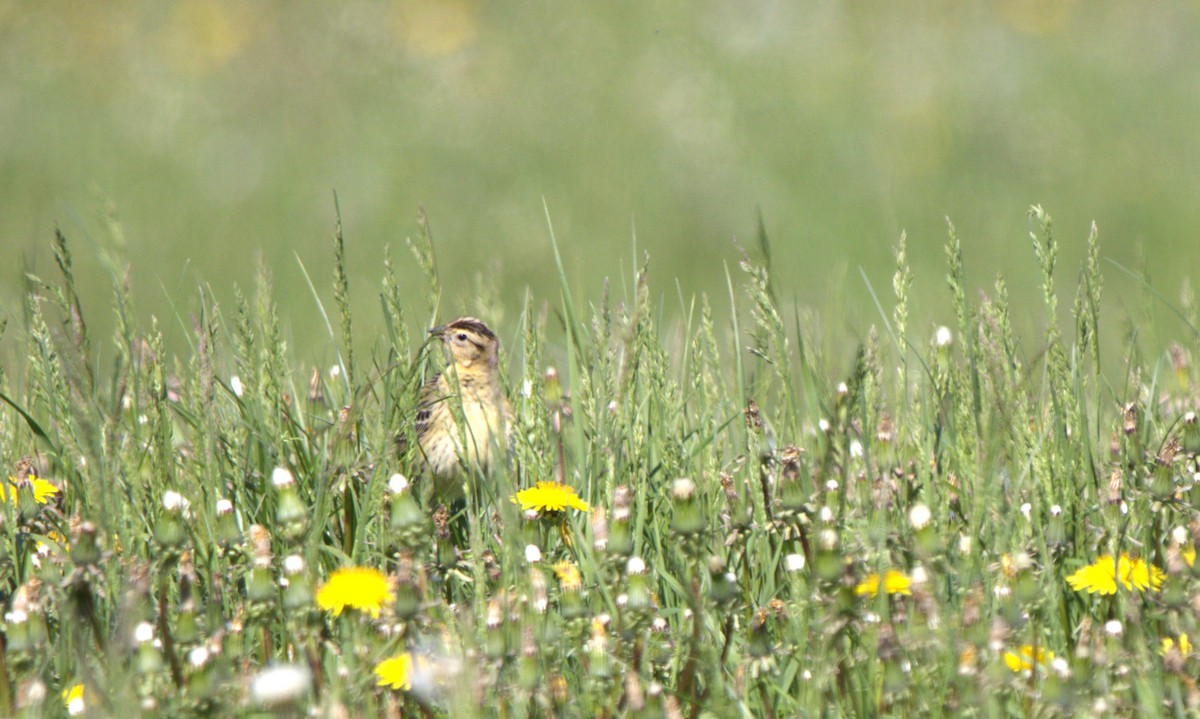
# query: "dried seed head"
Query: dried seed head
599,528
753,418
886,431
441,522
1129,416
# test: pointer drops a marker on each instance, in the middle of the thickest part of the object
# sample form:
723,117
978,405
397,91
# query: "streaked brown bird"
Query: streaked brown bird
472,376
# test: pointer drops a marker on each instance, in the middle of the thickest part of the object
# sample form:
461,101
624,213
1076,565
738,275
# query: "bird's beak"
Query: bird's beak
438,331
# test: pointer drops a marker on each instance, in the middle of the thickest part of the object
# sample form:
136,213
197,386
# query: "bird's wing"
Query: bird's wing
432,393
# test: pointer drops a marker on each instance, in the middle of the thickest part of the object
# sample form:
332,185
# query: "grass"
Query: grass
765,538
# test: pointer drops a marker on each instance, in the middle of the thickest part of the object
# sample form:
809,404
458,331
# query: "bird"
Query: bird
472,377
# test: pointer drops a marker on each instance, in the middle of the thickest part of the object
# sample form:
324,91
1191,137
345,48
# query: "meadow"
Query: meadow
702,517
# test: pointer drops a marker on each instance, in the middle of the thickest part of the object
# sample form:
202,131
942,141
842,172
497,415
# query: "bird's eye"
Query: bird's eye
462,337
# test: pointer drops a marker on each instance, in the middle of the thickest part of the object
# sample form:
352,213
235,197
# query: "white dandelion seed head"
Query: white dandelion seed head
871,618
683,488
224,506
825,514
280,684
1026,511
142,419
856,448
173,501
1055,510
1060,667
282,477
1179,535
143,632
397,483
943,337
198,657
842,389
1124,507
806,675
335,371
235,384
533,554
964,544
75,707
828,539
1113,627
658,625
293,564
1022,560
823,425
918,575
16,616
622,600
919,516
635,565
1002,591
794,562
832,485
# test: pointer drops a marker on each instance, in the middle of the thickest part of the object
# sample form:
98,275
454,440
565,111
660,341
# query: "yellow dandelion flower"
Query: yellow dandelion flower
395,672
894,582
73,699
43,491
568,576
1025,657
1189,554
1183,643
1102,576
361,588
550,497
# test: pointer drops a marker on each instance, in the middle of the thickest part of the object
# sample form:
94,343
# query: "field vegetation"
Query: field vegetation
706,517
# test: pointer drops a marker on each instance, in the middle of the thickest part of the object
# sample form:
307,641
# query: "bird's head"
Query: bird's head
471,344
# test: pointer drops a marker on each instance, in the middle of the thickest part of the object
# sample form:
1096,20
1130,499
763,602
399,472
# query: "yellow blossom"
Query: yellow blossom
568,576
1102,576
549,497
73,699
43,491
894,582
1189,554
395,672
1024,658
361,588
1184,644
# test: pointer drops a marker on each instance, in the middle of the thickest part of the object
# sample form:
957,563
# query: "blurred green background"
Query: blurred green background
218,130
